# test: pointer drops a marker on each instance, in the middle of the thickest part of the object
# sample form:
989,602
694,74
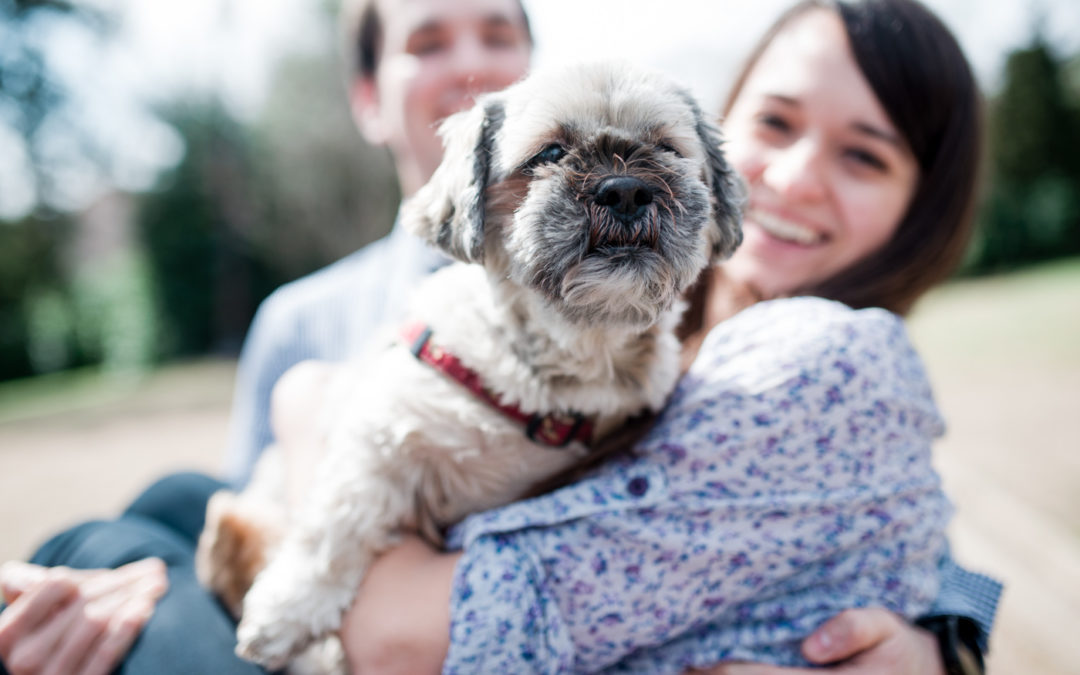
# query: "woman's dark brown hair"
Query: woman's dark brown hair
918,72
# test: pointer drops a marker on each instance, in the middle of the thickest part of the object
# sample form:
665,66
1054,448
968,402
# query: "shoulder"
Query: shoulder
803,345
312,317
803,331
810,322
331,283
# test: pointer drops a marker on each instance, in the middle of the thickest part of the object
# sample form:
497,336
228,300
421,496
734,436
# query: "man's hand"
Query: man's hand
871,641
61,620
400,620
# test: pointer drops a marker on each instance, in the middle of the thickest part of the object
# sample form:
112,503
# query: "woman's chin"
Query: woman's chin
773,266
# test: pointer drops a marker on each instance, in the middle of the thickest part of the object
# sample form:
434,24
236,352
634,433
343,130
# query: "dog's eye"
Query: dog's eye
668,147
548,155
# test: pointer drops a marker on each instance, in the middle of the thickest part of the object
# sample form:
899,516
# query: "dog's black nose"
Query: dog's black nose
625,196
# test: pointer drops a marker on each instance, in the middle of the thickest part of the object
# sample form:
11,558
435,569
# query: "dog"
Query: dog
579,205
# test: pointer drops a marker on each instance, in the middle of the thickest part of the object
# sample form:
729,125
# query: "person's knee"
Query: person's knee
61,548
177,501
174,492
111,543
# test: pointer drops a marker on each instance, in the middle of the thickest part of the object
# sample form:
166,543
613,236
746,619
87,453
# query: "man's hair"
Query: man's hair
919,74
363,33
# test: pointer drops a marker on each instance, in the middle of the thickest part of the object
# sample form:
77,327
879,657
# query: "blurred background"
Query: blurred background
165,165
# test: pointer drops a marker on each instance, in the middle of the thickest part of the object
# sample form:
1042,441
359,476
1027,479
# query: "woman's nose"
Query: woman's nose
797,171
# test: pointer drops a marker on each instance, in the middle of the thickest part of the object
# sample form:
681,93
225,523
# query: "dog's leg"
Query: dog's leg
240,532
234,545
354,511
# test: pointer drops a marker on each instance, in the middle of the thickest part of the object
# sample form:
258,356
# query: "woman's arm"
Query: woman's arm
400,621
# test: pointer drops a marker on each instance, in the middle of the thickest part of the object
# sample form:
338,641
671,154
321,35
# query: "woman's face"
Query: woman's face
829,176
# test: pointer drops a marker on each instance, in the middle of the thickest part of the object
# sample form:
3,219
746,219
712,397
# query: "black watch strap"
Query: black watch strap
958,642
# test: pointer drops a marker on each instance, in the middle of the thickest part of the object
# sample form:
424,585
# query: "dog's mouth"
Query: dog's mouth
607,233
622,213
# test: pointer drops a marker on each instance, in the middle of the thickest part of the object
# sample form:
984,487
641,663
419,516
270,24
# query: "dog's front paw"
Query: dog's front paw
271,644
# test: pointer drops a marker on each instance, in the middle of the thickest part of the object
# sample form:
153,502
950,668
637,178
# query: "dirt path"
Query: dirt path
90,461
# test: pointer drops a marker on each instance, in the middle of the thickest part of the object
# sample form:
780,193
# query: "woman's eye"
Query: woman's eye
866,158
548,155
775,122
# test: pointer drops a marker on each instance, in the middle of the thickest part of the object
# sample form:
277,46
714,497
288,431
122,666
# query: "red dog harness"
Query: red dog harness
554,429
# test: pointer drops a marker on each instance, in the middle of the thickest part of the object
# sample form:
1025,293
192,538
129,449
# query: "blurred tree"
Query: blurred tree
330,192
207,275
252,206
31,94
1032,208
29,269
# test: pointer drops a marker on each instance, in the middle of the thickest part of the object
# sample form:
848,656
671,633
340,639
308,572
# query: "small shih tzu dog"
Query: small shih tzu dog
581,203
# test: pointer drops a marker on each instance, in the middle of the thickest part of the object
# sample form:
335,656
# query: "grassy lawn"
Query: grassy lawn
89,391
1031,317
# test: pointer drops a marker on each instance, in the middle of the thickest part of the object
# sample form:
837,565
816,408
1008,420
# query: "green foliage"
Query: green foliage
28,265
206,278
251,207
31,94
247,208
1032,207
115,318
327,192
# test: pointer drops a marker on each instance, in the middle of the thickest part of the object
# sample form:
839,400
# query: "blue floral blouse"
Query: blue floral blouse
787,479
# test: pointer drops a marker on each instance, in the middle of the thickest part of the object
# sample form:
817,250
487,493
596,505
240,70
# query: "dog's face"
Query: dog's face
601,187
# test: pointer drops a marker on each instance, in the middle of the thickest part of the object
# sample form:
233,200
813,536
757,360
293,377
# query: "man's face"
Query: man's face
436,56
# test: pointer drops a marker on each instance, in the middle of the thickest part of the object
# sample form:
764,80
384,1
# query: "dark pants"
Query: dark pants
189,632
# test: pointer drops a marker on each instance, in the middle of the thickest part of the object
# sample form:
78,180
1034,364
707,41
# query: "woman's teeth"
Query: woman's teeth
785,229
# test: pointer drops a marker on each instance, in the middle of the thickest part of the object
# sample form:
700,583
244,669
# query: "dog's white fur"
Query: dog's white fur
402,439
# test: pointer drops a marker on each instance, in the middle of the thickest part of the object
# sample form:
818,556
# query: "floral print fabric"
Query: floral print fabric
787,479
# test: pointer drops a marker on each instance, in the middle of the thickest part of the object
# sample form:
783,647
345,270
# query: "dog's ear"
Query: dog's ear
448,212
728,189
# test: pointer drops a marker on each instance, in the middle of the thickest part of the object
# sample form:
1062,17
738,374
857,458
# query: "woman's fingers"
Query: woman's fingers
850,633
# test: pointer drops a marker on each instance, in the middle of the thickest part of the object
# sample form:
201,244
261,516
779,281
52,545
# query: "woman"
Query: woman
861,172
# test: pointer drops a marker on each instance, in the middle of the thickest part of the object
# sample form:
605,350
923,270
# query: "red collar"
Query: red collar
555,429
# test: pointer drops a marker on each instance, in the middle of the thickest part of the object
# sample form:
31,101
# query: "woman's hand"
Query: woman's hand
62,620
400,620
871,641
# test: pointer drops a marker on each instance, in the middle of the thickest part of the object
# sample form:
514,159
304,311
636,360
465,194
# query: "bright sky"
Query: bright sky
229,45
